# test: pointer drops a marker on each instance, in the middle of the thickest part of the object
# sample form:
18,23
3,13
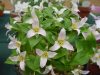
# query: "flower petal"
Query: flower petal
14,58
55,47
30,33
22,65
12,45
84,72
78,31
23,53
61,11
51,54
52,72
82,22
68,46
97,23
42,32
30,21
39,52
43,62
62,34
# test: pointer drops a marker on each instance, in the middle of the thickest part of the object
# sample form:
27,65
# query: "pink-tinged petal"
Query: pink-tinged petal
68,46
39,52
62,34
12,45
55,47
97,37
43,62
42,32
14,58
30,33
51,54
22,65
97,23
84,72
82,22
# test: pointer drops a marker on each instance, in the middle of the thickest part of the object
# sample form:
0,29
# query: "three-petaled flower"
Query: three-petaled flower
14,44
77,25
20,58
61,42
44,56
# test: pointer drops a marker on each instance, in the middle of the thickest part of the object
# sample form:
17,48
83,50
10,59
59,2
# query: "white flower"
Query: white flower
61,42
17,19
97,23
77,25
59,12
9,27
92,29
20,58
48,69
44,56
40,7
36,29
96,58
14,44
21,7
79,72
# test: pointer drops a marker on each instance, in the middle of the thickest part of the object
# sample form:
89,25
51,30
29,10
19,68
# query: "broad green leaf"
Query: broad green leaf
8,61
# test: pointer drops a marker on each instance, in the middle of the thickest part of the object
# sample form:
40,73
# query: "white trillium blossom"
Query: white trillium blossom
77,25
36,29
79,72
61,42
21,7
49,69
40,7
96,58
20,58
92,29
44,55
14,44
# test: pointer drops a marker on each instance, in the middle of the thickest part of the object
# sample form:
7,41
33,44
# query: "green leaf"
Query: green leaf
34,41
8,61
33,62
60,53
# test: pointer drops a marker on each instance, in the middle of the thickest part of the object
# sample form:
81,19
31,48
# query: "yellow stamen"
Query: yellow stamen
45,54
36,29
74,26
60,42
21,58
18,44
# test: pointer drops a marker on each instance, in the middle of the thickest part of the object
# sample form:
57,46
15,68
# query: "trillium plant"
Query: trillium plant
48,38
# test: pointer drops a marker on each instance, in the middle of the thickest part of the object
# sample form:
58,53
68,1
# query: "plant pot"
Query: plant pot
84,11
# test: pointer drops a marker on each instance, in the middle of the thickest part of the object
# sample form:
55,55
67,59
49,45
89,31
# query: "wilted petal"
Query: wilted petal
68,46
55,47
14,58
43,62
22,65
39,52
51,54
62,34
42,32
30,33
82,22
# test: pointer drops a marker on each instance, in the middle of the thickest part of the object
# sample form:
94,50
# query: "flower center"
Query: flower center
45,54
18,44
74,26
60,42
20,58
36,29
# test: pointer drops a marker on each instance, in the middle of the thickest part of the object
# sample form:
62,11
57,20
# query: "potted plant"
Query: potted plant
1,8
50,39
